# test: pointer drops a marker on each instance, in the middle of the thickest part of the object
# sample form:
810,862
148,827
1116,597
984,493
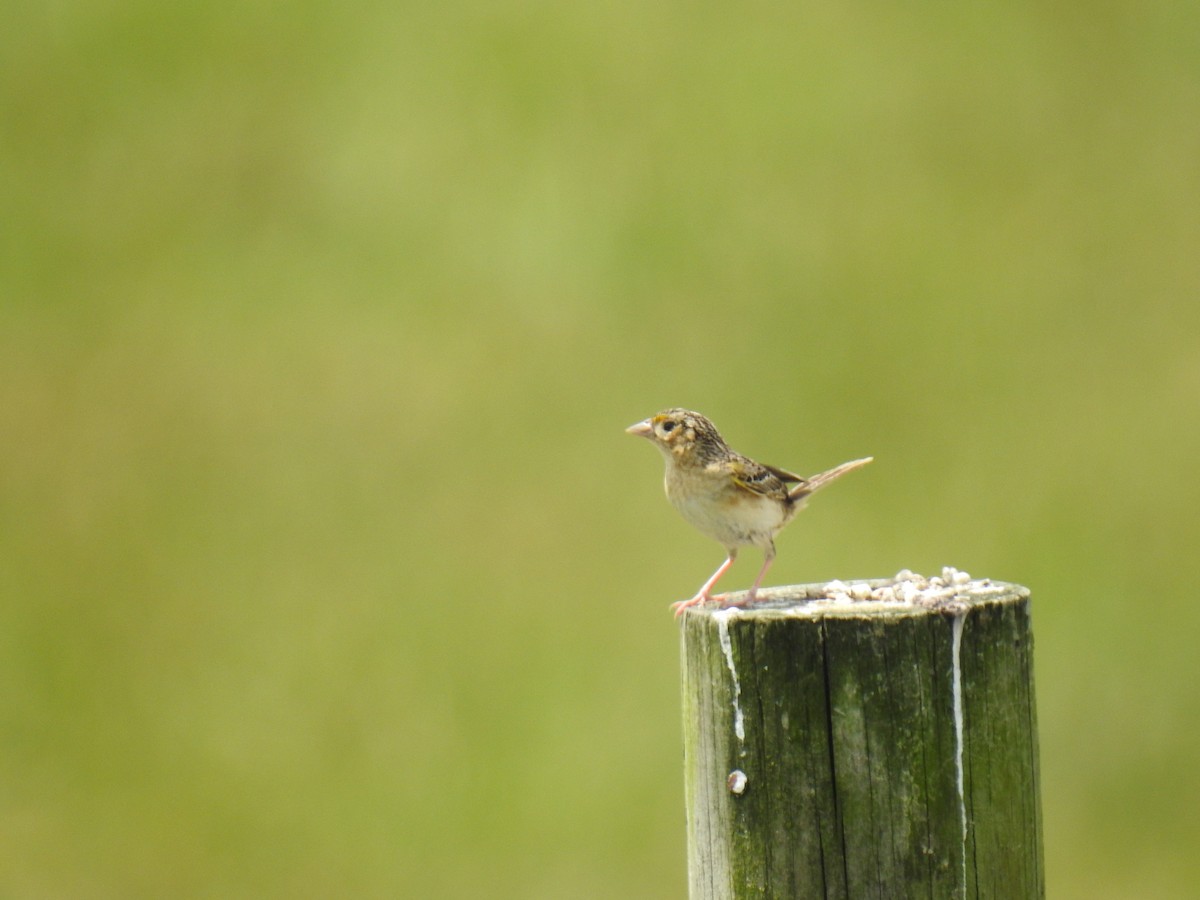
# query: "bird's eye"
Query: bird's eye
668,426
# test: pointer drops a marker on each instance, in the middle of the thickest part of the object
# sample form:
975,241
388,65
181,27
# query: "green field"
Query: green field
326,569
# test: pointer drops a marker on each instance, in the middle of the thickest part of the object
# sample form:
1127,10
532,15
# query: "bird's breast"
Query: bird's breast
723,511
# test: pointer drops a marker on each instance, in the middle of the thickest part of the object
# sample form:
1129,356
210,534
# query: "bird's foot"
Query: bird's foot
740,601
680,605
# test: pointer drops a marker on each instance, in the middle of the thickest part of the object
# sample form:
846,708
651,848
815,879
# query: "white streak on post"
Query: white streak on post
956,655
723,616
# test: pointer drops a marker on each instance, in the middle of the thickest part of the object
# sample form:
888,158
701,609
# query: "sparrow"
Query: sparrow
729,497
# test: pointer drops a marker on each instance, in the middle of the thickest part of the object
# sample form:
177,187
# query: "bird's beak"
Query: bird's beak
641,429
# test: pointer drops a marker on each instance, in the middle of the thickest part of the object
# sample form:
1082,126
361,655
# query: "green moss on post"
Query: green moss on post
839,748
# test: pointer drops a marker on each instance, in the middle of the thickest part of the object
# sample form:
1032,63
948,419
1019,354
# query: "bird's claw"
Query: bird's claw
680,605
724,600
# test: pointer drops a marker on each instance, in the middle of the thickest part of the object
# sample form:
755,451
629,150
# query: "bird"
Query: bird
729,497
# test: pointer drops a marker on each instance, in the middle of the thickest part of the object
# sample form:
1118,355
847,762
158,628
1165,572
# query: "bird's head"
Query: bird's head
679,433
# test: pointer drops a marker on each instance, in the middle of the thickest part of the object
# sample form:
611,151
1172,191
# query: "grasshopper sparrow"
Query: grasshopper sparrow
729,497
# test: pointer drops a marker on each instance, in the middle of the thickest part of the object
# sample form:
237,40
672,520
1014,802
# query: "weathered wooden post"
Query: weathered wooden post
870,740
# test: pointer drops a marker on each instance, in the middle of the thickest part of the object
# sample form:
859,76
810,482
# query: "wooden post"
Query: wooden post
870,740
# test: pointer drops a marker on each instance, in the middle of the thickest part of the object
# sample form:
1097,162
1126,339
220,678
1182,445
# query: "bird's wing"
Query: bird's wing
759,479
784,475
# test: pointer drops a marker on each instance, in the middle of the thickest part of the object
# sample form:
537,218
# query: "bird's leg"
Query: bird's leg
704,592
768,558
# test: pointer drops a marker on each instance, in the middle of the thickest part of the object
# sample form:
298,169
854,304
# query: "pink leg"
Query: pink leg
768,558
703,594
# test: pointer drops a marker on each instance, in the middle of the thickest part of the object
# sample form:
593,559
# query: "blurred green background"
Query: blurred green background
326,568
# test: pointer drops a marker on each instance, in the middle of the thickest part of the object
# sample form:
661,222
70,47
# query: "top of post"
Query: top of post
953,592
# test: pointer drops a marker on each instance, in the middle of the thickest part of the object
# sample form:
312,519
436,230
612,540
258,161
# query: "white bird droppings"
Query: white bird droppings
956,663
723,616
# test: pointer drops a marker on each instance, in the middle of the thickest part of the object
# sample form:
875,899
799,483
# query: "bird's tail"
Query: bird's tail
816,482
